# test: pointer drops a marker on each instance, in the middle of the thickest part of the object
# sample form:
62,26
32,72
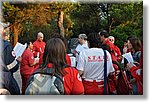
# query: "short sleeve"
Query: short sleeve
80,65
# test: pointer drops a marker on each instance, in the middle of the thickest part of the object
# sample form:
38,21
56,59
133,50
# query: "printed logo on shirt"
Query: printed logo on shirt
13,53
96,58
79,77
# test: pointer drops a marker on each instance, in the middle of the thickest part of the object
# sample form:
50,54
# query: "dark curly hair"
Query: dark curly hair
105,33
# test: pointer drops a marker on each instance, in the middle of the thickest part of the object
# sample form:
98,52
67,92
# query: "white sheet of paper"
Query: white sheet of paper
19,49
128,56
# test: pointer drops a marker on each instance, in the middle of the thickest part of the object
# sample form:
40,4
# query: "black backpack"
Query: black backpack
43,82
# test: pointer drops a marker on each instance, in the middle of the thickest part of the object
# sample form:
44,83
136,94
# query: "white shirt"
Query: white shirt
91,62
80,48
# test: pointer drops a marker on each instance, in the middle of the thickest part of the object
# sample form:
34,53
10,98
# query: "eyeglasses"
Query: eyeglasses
111,39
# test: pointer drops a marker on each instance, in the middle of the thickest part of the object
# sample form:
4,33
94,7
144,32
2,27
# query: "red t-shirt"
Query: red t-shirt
27,59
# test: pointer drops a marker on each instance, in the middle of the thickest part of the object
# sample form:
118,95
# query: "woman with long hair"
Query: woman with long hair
55,57
135,45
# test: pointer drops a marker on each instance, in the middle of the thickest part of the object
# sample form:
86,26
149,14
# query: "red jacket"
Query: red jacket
138,74
27,59
72,81
38,47
115,50
117,53
68,61
110,44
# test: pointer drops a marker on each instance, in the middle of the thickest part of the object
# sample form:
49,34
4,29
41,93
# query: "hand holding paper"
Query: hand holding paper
129,58
36,60
19,49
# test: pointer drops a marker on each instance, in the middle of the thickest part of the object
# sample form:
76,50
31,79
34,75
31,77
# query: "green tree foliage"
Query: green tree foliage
127,21
25,17
120,19
89,18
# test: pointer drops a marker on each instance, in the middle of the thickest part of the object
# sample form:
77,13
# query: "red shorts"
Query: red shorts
93,88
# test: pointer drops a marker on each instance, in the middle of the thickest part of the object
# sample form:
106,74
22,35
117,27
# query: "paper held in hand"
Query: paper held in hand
19,49
128,56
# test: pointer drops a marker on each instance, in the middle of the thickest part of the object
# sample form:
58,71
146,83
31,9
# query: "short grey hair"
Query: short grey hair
83,36
111,37
5,27
40,33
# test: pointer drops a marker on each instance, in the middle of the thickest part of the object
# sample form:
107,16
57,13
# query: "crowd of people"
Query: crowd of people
87,77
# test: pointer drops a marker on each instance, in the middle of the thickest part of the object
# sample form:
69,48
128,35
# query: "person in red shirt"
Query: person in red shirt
27,65
105,40
38,49
137,73
112,49
55,57
117,51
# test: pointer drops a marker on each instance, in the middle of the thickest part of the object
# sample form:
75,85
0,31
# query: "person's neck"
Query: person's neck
29,48
104,40
39,40
84,42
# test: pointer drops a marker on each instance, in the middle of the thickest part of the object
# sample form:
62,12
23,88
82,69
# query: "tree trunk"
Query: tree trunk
68,25
17,30
60,23
15,36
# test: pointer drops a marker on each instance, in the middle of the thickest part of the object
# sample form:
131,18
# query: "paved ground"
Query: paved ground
17,76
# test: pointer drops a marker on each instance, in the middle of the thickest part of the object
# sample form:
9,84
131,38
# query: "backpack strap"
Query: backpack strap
48,71
117,63
105,72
